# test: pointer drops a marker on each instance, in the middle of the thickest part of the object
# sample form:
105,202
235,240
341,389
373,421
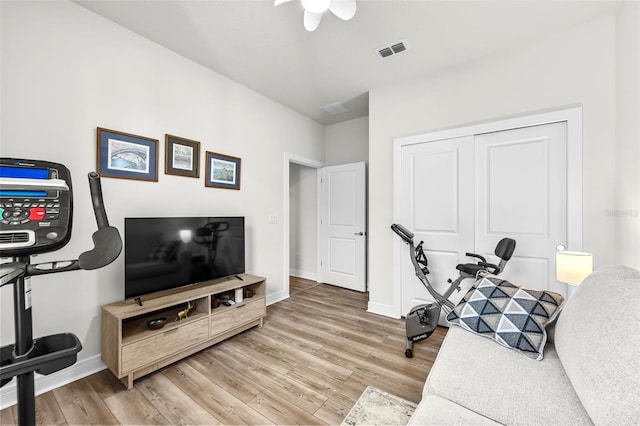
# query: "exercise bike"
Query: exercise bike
36,211
422,320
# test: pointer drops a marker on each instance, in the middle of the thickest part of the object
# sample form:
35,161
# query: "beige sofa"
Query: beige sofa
590,373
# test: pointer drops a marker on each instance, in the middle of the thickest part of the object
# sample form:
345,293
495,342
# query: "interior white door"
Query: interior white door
343,226
521,193
437,203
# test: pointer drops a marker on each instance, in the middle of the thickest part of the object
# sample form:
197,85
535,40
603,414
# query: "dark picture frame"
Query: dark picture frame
181,157
223,171
126,156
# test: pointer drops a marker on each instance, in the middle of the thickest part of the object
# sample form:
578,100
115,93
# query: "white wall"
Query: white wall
66,71
347,142
573,68
627,210
303,206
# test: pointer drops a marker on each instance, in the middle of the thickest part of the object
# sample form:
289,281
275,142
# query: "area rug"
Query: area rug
376,407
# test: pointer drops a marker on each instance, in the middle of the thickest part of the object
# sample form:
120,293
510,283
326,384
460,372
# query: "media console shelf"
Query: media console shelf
131,349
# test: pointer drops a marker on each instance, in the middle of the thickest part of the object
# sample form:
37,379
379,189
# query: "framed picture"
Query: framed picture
223,171
182,157
126,156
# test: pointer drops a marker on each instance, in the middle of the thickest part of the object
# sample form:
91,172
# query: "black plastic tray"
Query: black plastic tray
49,354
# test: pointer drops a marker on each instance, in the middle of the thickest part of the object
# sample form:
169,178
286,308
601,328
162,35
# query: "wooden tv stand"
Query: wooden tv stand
131,349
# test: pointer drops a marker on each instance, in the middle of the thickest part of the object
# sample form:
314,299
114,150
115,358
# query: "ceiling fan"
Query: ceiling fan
314,9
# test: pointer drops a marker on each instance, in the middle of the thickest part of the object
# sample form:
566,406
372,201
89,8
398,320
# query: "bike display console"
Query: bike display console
36,211
35,207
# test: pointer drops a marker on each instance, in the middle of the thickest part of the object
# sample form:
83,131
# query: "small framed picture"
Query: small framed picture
182,157
126,156
223,171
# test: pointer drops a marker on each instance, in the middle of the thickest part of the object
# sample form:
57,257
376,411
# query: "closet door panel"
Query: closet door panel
521,193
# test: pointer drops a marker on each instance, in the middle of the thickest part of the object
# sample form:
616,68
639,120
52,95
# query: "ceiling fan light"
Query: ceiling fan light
316,6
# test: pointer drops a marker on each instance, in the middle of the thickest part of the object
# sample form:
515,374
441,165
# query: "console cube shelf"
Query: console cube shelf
131,349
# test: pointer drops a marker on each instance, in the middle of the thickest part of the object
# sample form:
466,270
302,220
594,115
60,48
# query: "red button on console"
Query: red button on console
36,213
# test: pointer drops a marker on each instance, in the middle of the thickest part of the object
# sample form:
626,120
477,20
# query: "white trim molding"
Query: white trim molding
383,309
312,276
277,296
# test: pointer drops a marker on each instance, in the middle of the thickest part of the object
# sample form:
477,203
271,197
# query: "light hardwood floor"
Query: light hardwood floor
315,355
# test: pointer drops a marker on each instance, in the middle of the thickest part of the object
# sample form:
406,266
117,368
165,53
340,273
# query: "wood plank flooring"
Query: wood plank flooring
315,355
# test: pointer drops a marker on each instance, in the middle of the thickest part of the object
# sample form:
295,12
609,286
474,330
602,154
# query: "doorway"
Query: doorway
299,173
300,166
303,221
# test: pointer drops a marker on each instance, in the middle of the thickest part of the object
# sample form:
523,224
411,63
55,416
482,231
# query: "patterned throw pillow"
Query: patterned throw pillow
512,316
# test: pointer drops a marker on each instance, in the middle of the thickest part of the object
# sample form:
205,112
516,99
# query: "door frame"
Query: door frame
289,159
573,118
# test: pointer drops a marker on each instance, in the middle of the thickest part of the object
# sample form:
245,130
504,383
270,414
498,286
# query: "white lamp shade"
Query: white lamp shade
185,235
572,267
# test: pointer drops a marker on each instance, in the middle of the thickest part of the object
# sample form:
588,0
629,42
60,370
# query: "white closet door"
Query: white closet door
521,193
437,203
465,194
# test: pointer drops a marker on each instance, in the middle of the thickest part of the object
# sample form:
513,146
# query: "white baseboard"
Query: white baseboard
381,309
278,296
302,274
42,384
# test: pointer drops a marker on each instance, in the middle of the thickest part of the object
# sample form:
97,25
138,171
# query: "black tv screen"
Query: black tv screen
167,252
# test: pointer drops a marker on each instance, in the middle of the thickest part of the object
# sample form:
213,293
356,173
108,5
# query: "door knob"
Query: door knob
359,233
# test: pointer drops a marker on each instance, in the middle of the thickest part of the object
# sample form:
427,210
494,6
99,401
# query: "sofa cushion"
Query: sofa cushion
503,385
512,316
597,338
434,410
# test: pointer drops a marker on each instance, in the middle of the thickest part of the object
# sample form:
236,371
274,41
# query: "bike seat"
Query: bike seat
470,268
504,250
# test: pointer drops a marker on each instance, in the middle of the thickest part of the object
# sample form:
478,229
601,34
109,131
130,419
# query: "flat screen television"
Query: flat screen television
167,252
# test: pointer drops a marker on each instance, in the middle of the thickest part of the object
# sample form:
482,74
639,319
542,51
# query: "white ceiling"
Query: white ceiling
267,49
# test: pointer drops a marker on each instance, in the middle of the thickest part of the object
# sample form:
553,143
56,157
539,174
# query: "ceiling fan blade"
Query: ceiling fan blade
279,2
311,20
343,9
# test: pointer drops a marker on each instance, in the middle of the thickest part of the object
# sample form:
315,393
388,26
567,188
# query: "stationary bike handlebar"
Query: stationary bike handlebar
404,233
107,241
96,199
419,262
477,256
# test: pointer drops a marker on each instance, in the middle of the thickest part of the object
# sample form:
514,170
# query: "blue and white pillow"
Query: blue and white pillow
513,316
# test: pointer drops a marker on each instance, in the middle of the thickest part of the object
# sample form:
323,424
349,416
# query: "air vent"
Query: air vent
385,52
399,47
335,109
393,49
9,239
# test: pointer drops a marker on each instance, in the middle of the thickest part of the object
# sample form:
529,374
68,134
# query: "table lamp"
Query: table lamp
572,267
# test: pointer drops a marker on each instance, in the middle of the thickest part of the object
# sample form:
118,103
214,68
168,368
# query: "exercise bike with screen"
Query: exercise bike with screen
422,320
36,211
